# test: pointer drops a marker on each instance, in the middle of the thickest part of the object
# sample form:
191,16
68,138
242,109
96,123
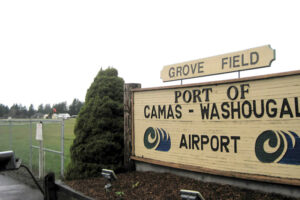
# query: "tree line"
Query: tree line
20,111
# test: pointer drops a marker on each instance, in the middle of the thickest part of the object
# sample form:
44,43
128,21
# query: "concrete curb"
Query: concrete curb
66,192
284,190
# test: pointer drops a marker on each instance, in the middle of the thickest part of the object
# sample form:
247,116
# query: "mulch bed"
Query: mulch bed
150,185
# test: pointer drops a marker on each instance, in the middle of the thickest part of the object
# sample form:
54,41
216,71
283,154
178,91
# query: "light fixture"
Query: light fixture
8,161
110,176
190,195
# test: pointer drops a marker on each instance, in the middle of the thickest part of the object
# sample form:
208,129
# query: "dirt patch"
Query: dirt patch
150,185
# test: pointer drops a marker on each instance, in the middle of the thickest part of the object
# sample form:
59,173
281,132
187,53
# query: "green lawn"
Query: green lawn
20,135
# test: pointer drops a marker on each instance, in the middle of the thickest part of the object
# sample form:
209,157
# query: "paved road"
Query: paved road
11,189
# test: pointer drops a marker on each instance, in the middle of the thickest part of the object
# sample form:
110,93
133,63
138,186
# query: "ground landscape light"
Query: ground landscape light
8,161
110,176
190,195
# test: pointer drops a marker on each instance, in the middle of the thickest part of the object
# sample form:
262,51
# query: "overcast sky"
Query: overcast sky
50,51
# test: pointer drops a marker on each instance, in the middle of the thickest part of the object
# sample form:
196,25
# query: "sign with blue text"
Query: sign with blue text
246,126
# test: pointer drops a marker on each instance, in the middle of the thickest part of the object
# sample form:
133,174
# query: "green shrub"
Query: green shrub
98,131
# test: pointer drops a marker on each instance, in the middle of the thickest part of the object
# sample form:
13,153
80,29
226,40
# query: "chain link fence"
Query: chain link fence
19,135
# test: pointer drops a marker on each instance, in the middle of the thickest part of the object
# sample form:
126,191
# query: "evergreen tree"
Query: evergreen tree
48,109
61,107
18,111
41,109
99,128
75,107
4,110
31,111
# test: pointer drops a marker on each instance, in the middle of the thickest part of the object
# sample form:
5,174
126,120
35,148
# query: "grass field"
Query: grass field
18,135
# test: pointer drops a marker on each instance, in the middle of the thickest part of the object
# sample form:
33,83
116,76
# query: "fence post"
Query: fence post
62,147
39,137
128,163
10,135
41,160
30,148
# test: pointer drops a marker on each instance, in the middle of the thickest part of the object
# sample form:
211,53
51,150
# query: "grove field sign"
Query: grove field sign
247,128
237,61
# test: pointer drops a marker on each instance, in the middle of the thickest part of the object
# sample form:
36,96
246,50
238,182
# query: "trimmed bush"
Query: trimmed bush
98,131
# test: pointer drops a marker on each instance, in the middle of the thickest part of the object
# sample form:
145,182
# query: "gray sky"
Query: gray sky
50,51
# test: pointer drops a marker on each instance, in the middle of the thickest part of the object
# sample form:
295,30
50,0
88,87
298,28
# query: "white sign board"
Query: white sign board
238,61
39,131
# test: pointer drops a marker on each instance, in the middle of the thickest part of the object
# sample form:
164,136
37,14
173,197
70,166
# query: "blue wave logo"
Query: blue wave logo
157,138
278,146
